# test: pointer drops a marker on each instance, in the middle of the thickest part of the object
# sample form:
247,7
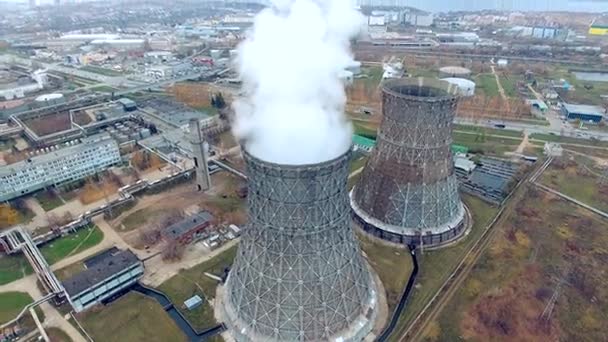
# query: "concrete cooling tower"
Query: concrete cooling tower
299,274
408,192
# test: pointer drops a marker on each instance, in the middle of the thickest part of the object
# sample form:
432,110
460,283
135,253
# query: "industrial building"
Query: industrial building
465,87
58,165
21,87
299,274
189,229
586,113
106,275
408,192
599,27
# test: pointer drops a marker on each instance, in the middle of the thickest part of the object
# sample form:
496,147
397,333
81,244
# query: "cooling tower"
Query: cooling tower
408,192
298,274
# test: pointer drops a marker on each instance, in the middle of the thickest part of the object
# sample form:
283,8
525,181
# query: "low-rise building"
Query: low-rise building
189,229
586,113
70,163
110,274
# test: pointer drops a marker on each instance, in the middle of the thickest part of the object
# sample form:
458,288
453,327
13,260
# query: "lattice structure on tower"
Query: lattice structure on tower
408,192
299,274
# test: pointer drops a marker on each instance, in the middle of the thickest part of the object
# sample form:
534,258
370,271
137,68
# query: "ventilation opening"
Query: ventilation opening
419,91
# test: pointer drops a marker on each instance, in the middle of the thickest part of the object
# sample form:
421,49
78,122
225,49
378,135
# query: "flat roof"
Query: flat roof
102,269
61,152
584,109
178,229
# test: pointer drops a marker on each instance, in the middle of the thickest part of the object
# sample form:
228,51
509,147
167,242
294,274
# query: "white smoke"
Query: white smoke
293,111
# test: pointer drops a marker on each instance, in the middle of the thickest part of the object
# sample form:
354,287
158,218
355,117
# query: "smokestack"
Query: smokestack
200,154
408,192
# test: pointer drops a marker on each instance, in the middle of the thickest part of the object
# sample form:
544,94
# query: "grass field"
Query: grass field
48,200
393,266
133,317
100,70
435,266
71,244
509,84
572,179
486,84
57,335
365,131
358,162
13,267
568,140
190,282
546,248
11,303
104,89
488,145
489,131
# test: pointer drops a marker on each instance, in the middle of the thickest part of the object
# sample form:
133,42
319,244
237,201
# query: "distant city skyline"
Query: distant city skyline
508,5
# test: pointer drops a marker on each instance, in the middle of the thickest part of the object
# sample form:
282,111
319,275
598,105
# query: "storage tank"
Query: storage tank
465,87
454,71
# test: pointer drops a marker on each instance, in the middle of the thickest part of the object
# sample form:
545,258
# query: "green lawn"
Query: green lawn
104,89
48,200
509,84
392,264
134,318
11,303
358,162
489,131
364,131
101,71
568,140
486,84
435,266
578,184
193,281
71,244
430,73
13,267
488,145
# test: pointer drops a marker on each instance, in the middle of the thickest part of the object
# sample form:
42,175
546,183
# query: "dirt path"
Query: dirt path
158,271
524,143
501,90
39,219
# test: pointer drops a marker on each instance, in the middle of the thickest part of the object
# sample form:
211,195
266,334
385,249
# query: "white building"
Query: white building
418,18
62,165
15,90
465,87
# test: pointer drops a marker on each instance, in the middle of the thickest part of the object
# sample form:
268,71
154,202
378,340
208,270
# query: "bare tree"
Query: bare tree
173,251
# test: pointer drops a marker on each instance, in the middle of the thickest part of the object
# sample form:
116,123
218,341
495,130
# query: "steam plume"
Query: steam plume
293,111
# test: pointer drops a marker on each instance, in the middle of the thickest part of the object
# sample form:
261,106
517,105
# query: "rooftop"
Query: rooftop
584,109
55,154
102,269
178,229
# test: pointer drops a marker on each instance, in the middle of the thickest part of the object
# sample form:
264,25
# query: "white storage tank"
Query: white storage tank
465,87
454,71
